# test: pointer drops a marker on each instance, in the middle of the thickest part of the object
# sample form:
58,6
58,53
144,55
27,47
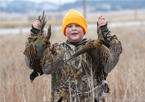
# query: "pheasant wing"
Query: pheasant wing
106,59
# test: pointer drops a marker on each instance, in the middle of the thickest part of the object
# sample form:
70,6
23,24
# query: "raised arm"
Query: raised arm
111,42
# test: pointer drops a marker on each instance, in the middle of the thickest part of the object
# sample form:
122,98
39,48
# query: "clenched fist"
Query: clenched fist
37,24
101,21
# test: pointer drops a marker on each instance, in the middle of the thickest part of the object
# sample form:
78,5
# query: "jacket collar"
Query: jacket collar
83,42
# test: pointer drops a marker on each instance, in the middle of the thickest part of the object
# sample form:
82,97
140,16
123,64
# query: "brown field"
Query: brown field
126,81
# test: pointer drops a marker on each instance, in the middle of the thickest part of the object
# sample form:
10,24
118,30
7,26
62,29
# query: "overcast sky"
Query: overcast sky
56,1
53,1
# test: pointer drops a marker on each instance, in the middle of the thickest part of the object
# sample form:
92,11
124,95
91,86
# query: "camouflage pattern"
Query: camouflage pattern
79,80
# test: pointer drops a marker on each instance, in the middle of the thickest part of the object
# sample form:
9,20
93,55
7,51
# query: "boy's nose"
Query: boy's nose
74,27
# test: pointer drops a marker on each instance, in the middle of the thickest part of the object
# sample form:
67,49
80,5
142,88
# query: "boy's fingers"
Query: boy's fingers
103,18
36,24
100,25
99,18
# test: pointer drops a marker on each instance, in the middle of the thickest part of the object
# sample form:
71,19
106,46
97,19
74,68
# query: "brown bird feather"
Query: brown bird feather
98,52
92,48
34,50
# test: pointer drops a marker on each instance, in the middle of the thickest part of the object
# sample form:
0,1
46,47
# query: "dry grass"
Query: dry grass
126,81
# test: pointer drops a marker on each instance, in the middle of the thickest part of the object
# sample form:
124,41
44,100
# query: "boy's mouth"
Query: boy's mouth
74,33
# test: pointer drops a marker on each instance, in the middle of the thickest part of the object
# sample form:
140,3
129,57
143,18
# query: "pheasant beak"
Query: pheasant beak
33,75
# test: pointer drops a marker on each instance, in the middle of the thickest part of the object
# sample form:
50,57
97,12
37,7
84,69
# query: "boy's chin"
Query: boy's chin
75,40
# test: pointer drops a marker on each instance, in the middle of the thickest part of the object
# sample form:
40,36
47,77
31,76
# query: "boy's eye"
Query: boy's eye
69,25
77,25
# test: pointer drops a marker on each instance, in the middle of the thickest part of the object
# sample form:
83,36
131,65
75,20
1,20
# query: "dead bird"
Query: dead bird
92,48
37,44
99,53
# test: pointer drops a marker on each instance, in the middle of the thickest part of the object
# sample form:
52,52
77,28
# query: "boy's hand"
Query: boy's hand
37,24
101,21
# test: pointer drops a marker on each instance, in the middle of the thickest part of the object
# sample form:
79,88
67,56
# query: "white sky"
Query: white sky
53,1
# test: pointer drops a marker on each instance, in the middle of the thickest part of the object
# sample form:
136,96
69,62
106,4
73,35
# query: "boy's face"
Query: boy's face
74,33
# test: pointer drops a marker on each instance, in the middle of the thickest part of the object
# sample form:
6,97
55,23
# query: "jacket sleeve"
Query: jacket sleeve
113,44
52,59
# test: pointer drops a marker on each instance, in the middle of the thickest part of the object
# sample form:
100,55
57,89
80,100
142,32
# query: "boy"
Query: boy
81,79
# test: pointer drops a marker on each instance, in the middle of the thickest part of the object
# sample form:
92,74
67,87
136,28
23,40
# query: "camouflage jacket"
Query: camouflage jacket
79,80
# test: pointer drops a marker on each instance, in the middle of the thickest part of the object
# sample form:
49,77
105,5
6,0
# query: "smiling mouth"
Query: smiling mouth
74,33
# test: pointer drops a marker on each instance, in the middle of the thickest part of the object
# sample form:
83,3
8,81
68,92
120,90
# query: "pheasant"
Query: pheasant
98,51
37,44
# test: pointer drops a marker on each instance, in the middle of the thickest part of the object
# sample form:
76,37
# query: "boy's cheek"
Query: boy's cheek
68,31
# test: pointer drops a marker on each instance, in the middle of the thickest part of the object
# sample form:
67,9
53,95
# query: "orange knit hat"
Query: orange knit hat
74,17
